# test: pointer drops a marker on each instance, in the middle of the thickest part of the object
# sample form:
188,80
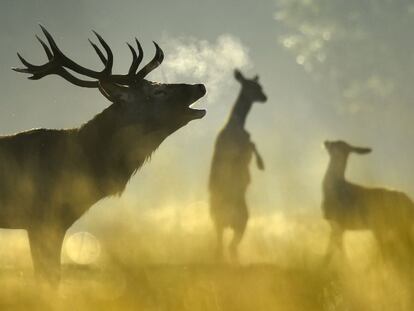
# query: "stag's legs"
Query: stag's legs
45,246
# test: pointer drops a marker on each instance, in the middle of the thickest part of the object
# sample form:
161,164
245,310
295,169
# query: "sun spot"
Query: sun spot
83,248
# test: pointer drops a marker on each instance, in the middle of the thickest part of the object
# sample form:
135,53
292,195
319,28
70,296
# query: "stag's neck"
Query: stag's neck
115,153
240,110
98,132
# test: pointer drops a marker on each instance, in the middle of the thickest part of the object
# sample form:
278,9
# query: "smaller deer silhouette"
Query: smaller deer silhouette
229,176
348,206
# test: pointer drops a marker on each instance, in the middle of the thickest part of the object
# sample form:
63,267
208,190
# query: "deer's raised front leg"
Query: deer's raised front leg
259,159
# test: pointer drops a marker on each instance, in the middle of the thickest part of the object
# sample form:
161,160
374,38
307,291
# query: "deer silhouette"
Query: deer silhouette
49,178
387,213
229,175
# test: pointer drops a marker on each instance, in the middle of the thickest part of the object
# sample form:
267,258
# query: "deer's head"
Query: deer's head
341,149
251,87
138,102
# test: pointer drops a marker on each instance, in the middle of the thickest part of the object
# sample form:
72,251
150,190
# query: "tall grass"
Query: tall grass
165,262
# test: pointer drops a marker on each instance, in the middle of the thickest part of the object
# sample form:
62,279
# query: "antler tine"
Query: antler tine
154,63
110,56
69,77
58,56
140,51
45,47
136,59
31,67
51,41
38,72
34,70
53,66
99,52
26,63
134,65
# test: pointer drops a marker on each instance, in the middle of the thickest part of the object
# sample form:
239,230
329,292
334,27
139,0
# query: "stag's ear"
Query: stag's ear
238,75
256,78
113,92
361,150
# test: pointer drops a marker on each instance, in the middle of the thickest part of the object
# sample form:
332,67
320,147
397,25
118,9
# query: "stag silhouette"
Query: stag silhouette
387,213
49,178
229,176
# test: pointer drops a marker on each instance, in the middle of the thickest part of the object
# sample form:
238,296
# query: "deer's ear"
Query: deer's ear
361,150
113,92
256,78
238,75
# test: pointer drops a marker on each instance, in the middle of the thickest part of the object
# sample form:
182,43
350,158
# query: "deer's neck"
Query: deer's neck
240,110
336,170
115,152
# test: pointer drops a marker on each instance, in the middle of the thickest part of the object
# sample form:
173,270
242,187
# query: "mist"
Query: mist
329,70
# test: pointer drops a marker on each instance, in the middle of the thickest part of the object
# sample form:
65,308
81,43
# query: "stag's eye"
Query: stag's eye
159,93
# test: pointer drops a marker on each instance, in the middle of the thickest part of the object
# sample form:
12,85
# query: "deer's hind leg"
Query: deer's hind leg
239,227
219,241
216,214
45,247
335,243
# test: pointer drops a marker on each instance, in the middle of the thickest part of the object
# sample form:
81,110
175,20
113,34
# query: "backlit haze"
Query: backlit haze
345,73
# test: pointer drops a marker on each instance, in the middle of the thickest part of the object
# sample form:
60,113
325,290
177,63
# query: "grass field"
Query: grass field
211,287
171,268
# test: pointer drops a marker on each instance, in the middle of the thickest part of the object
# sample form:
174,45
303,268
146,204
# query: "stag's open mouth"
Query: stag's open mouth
196,113
200,91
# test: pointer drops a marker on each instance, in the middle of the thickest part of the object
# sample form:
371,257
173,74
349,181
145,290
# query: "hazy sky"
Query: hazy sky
214,37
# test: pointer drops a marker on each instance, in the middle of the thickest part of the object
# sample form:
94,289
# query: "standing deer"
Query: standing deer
229,176
348,206
49,178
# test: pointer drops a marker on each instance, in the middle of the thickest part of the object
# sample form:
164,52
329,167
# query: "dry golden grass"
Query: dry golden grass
165,262
211,287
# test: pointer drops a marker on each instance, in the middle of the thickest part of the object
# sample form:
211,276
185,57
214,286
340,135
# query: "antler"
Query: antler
134,76
59,63
154,63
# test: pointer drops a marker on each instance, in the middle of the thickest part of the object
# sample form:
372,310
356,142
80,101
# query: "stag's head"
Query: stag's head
251,87
137,102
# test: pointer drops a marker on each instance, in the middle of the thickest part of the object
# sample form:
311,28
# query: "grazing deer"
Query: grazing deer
50,178
348,206
229,176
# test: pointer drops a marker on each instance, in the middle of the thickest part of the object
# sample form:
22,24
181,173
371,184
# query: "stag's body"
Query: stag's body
65,171
230,176
348,206
50,178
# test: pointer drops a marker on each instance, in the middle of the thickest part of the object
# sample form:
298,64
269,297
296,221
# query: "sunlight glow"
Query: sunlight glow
82,248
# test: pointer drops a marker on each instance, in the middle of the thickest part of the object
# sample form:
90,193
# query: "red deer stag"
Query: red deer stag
229,176
49,178
348,206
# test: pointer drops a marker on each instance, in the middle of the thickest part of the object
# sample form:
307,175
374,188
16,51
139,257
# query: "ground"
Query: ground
211,287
